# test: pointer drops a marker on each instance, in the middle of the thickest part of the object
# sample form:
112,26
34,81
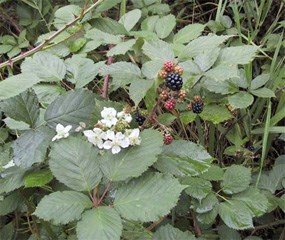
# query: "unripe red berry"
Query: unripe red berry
167,139
169,66
170,104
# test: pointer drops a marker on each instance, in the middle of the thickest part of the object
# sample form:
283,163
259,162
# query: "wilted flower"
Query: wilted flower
62,132
81,126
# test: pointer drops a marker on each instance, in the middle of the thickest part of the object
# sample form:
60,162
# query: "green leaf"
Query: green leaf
7,231
215,113
130,19
183,158
207,59
166,118
23,107
106,5
238,55
158,50
134,161
76,45
47,67
138,89
65,15
148,24
188,117
208,217
222,72
241,100
259,81
273,180
236,179
214,173
169,232
102,37
81,70
228,233
10,86
165,25
74,162
147,198
38,178
188,33
198,188
121,48
263,92
122,73
71,109
281,202
236,215
206,204
16,125
102,223
254,199
62,207
13,180
150,69
200,44
10,203
31,147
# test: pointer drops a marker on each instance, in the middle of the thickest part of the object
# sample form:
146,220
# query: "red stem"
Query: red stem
104,193
107,78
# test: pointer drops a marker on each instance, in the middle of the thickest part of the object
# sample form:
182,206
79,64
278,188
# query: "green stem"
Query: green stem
123,8
264,140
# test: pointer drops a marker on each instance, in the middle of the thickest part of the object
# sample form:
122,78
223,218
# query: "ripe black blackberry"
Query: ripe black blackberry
197,107
174,81
139,119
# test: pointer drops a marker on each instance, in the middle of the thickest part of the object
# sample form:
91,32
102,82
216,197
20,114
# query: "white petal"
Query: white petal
135,132
66,135
59,127
116,149
120,135
120,114
9,164
107,145
110,135
100,144
128,118
97,130
54,138
89,133
67,128
114,121
125,143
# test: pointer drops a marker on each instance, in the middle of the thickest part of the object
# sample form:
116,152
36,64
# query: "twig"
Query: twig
268,225
107,78
10,62
104,193
154,224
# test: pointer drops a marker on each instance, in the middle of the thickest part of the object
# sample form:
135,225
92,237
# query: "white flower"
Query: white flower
62,132
95,137
109,117
125,116
9,164
117,142
134,137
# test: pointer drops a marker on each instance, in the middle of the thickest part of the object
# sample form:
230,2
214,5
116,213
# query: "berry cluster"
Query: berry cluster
171,73
197,105
170,104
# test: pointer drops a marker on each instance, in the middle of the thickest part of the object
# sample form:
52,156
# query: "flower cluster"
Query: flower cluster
106,135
